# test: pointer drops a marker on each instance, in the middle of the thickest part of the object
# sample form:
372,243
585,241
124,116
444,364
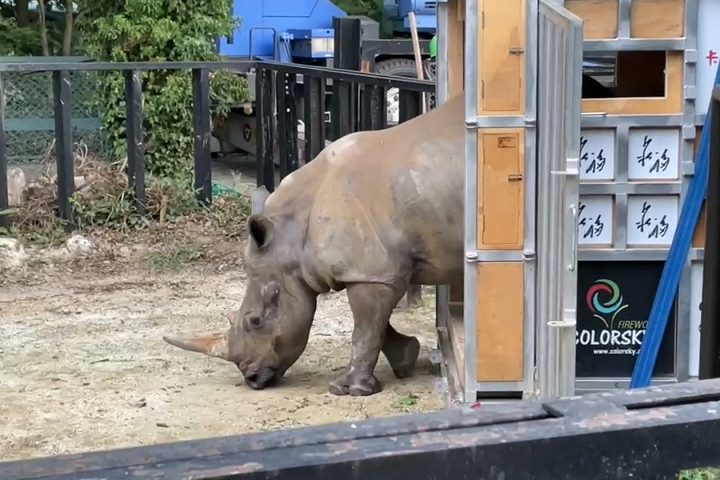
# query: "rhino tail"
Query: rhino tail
213,345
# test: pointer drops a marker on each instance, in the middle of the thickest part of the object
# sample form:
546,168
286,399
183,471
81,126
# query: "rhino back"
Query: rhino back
391,203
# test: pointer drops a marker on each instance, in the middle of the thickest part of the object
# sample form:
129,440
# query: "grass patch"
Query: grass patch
405,402
709,473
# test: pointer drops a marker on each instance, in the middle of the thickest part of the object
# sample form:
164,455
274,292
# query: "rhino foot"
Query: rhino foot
401,352
355,384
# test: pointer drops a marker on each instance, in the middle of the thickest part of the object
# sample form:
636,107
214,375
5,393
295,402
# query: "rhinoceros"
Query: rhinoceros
373,213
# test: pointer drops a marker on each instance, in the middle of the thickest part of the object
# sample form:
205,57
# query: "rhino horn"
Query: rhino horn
213,345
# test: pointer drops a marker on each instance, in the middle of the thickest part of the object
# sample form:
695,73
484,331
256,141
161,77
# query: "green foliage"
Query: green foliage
370,8
700,474
25,39
160,30
16,40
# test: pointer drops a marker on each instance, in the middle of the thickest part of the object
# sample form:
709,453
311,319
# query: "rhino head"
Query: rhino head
270,331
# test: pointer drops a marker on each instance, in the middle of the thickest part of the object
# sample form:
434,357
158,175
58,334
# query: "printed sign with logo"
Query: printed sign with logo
614,302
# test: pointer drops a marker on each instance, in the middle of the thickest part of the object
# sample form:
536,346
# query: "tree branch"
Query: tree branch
69,25
43,28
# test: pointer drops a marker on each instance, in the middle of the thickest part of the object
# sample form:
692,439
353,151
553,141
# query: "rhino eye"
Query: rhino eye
255,321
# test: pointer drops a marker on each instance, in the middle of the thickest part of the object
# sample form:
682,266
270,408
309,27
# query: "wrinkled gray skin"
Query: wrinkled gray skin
373,213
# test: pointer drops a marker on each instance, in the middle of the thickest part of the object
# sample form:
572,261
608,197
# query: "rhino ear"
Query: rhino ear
261,230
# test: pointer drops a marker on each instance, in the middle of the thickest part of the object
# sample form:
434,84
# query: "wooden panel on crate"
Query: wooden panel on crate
600,17
456,293
455,302
671,103
501,189
456,47
698,240
657,18
501,57
500,321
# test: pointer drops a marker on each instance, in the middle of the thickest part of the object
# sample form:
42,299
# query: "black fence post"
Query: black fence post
410,105
62,99
287,123
373,111
264,141
710,315
201,118
314,106
4,201
135,140
348,46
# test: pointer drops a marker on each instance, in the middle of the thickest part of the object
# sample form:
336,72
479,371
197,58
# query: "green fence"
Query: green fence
29,123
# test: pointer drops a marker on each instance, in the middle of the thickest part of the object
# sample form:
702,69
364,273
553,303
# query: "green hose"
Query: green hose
220,190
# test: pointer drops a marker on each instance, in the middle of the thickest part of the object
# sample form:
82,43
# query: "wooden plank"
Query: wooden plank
457,340
671,103
456,47
600,17
501,57
657,18
500,326
501,189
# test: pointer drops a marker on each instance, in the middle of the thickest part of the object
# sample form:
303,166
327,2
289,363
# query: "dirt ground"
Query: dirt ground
83,366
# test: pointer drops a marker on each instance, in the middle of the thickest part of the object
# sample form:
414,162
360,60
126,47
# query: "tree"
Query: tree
160,30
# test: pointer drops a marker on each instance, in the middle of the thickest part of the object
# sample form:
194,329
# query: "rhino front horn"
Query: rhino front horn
213,345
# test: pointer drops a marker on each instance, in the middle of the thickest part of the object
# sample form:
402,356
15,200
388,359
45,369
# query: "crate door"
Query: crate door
559,103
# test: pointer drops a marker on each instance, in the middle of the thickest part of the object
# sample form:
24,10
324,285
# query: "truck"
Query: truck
301,32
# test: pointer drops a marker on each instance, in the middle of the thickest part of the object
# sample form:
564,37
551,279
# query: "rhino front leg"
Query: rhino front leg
371,305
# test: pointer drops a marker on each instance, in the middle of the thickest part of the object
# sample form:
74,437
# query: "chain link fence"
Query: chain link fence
29,122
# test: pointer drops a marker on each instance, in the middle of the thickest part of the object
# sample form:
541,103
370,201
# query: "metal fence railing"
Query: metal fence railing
63,101
357,103
29,125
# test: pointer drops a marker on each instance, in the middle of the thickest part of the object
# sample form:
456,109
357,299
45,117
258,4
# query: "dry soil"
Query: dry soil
83,366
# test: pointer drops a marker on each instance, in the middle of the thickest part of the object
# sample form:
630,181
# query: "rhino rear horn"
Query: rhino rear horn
213,345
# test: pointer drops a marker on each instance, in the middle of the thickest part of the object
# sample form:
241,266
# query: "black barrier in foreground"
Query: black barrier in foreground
641,434
62,100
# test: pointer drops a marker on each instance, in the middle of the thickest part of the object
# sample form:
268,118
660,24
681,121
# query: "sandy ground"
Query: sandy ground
83,366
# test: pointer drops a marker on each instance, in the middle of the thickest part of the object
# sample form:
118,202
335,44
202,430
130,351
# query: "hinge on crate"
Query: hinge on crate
517,50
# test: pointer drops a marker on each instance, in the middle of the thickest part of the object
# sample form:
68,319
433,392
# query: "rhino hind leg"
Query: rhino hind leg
401,352
371,305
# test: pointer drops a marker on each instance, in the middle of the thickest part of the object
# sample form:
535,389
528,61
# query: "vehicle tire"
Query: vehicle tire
399,67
